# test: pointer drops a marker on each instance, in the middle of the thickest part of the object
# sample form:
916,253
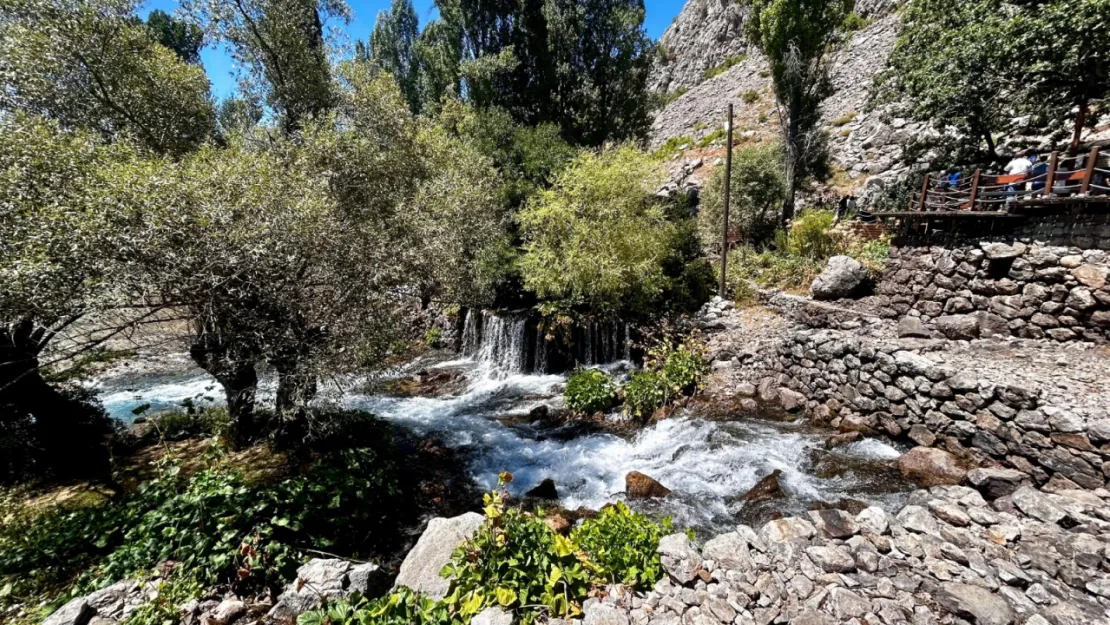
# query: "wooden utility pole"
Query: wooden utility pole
728,185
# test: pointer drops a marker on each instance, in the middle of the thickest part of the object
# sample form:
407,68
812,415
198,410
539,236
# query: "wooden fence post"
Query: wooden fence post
1091,158
924,191
1050,177
974,190
728,184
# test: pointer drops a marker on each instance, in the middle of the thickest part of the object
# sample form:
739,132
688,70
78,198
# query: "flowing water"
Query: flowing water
707,464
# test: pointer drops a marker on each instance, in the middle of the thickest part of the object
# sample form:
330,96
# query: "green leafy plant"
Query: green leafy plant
432,337
589,391
683,368
723,67
853,22
624,544
645,392
515,561
810,235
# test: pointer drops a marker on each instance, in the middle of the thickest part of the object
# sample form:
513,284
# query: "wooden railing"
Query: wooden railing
1083,177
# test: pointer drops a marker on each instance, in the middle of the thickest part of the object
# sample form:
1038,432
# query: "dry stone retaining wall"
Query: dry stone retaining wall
982,415
1016,286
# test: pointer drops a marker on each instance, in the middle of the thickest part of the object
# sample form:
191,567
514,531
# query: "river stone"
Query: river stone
787,528
765,489
791,401
227,611
912,327
679,557
918,519
76,612
958,327
834,523
831,559
872,520
929,466
640,486
729,550
976,602
420,570
1037,505
493,616
545,490
995,482
845,604
842,277
1001,251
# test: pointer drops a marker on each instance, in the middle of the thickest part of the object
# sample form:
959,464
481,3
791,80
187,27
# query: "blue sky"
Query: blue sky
220,69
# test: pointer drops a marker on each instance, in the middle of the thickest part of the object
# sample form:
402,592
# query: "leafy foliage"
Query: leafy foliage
757,192
723,67
645,392
792,260
589,391
810,235
671,371
598,238
624,544
392,47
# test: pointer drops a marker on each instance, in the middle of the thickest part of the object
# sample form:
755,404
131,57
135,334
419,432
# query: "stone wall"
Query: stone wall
1018,286
1005,411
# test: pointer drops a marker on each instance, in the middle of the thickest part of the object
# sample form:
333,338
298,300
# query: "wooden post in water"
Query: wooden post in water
728,185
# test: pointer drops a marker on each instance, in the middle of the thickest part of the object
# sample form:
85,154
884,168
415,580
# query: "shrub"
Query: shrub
776,268
624,544
589,391
723,67
853,22
190,423
432,337
719,134
810,235
844,119
871,254
751,96
599,237
758,191
514,560
645,392
673,146
683,368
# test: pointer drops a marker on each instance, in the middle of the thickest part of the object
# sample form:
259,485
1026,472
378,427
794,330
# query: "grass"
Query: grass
673,146
724,67
750,96
719,133
845,119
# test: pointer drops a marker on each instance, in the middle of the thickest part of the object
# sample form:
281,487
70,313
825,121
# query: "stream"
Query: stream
707,464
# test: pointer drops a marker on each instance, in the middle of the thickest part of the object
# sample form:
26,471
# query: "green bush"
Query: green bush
645,392
683,368
770,268
190,423
810,235
624,544
751,96
871,254
432,337
757,194
723,67
589,391
853,22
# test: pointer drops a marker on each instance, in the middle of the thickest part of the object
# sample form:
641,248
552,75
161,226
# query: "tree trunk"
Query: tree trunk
68,434
1077,134
239,378
793,133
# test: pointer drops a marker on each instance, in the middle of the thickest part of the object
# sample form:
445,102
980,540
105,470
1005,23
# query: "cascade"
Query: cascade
506,343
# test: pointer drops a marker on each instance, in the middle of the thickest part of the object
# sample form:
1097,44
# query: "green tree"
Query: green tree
598,237
183,38
948,67
798,39
89,65
282,48
757,192
438,52
393,48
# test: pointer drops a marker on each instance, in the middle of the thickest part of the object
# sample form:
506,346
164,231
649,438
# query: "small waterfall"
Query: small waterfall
507,343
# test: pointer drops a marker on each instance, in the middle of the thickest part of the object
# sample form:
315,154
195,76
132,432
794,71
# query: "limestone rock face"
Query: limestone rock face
640,486
420,570
931,467
842,277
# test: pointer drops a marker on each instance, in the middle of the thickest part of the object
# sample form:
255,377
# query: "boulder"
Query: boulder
834,523
227,611
765,489
790,400
958,327
545,490
317,580
843,277
1037,505
912,327
679,558
640,486
929,466
728,550
995,482
1001,251
369,580
831,559
836,440
979,604
76,612
788,528
420,570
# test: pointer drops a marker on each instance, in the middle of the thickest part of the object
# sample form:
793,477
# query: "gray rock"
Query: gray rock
787,528
1001,251
918,519
975,602
497,616
831,559
679,557
227,611
790,400
995,482
76,612
1037,505
834,523
958,327
729,550
842,277
327,577
872,519
421,567
368,579
912,327
845,604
